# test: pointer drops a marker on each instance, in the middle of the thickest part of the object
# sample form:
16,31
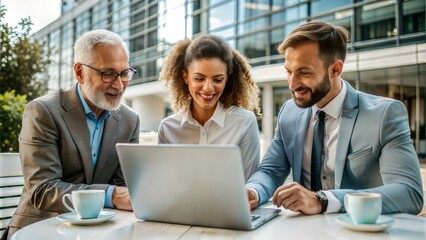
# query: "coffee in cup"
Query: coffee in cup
86,203
363,208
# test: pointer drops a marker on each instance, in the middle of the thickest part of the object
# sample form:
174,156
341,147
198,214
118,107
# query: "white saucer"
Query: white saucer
382,223
73,218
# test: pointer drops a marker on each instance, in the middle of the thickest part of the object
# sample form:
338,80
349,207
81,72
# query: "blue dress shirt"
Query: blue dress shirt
96,128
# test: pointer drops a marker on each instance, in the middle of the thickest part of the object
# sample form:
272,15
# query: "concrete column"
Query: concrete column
151,110
267,117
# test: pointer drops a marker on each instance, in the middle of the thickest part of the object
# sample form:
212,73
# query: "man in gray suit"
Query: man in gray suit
366,145
68,138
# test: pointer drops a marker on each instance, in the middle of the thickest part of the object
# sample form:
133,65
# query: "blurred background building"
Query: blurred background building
386,53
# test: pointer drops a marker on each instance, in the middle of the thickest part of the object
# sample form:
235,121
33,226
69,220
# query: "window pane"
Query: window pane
318,6
222,15
251,8
277,36
152,38
151,69
413,16
137,44
225,33
253,25
290,14
253,45
377,20
138,17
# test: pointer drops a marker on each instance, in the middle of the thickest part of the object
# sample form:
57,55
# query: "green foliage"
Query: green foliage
12,107
22,58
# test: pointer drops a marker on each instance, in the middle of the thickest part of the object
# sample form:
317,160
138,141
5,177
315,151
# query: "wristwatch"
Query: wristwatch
323,199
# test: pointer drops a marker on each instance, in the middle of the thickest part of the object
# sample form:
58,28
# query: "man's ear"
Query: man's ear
336,68
78,71
185,76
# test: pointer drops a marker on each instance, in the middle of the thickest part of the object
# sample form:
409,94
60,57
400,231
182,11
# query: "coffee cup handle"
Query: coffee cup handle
64,201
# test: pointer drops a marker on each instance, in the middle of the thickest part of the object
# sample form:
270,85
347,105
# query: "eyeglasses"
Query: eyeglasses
110,75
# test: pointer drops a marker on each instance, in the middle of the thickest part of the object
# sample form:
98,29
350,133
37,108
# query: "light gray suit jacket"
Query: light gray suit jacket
56,156
374,152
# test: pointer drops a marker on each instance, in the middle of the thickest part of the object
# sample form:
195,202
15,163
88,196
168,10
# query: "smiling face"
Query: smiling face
99,95
206,80
309,80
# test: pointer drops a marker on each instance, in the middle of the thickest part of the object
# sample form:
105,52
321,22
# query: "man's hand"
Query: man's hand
121,198
253,201
297,198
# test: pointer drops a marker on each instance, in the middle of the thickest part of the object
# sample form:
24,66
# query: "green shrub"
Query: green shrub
12,106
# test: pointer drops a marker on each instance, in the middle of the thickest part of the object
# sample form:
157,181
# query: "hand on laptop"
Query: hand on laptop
297,198
121,198
253,201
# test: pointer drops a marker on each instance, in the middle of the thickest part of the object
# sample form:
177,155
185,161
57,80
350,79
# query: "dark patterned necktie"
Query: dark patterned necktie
317,146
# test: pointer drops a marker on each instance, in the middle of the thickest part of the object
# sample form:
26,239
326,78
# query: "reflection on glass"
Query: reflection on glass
137,44
291,26
213,2
277,36
253,25
152,38
318,6
377,20
222,15
225,33
153,10
290,14
83,23
152,23
251,8
413,16
253,45
151,69
194,5
137,28
138,5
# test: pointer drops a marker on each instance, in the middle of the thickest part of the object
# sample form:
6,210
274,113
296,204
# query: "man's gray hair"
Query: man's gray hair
84,46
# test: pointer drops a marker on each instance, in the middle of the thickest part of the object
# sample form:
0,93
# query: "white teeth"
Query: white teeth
114,94
206,96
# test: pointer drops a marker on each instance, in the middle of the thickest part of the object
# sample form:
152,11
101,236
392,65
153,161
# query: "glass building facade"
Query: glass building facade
386,52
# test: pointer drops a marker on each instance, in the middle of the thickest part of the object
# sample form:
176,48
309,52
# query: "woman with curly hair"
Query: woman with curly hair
213,98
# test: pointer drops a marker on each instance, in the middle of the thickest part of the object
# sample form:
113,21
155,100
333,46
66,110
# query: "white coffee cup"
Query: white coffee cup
363,208
86,203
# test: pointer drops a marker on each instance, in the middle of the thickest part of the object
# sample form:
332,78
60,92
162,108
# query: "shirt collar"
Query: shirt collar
86,108
218,116
335,106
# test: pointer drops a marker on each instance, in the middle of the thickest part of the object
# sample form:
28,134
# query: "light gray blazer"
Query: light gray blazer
374,152
56,157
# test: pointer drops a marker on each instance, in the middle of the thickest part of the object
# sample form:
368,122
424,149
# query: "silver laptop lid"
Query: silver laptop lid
186,184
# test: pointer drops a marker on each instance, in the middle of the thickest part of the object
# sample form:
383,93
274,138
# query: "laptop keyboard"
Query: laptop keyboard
254,217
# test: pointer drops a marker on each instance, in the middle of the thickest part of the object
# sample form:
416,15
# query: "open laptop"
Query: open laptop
199,185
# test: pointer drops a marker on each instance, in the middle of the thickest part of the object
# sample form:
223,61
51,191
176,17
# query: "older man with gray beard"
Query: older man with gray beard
68,137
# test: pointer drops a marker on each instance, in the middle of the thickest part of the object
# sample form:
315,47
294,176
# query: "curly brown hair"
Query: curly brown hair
240,90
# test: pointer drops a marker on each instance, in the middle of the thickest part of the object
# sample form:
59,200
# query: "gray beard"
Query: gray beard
97,98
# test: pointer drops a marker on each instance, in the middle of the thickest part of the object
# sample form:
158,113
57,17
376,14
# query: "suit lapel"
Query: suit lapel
347,122
74,117
108,142
301,128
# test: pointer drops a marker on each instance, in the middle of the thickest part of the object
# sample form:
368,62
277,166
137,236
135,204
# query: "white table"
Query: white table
288,225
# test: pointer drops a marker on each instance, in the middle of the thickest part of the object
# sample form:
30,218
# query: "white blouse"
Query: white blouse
234,125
